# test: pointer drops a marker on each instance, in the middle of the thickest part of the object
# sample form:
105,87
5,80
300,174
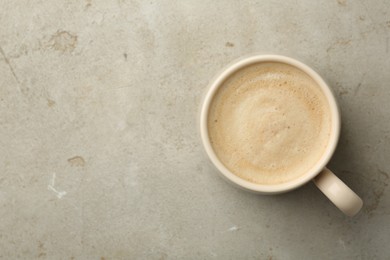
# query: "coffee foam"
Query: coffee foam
269,123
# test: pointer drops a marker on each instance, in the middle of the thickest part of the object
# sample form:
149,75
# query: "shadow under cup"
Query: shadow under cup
304,177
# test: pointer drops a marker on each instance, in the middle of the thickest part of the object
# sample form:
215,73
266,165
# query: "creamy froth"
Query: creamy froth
269,123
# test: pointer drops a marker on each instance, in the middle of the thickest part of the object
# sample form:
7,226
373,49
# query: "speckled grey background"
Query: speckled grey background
100,156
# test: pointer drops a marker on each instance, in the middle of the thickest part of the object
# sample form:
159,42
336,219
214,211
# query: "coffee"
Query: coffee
269,123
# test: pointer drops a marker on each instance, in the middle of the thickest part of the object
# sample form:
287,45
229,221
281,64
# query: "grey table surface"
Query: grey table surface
100,155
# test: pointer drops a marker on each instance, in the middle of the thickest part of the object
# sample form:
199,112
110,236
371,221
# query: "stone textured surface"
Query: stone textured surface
100,156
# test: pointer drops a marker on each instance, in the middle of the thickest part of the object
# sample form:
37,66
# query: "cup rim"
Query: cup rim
280,187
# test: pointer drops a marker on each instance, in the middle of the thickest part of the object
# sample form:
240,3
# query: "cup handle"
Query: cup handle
340,194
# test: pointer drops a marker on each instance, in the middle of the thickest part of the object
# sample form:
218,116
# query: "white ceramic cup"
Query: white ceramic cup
339,193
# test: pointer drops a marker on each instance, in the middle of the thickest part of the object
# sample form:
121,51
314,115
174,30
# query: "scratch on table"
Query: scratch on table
9,65
341,243
59,194
233,228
